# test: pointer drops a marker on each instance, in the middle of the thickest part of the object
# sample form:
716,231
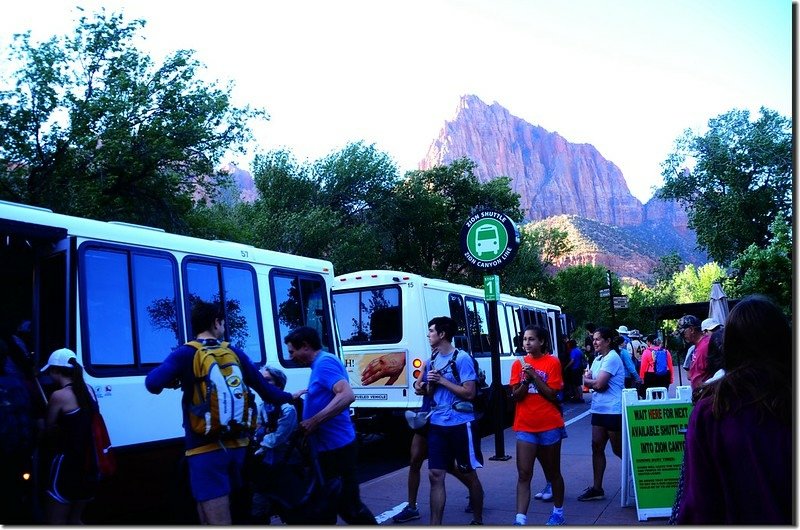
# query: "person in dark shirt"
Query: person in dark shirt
739,438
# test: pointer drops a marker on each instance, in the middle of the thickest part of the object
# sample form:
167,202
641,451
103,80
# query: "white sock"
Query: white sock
558,511
521,518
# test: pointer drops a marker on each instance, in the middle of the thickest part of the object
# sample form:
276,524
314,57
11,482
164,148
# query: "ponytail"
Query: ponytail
85,400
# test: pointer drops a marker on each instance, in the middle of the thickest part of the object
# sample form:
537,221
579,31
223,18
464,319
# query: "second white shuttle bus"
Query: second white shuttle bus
382,319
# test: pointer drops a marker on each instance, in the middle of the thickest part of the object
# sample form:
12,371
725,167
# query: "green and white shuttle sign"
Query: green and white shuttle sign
489,240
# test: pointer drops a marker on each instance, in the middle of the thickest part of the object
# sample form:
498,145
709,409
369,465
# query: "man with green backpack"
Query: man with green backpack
218,408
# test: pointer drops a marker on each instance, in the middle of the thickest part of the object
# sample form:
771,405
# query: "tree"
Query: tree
529,272
769,270
693,284
428,210
94,128
667,267
577,290
741,181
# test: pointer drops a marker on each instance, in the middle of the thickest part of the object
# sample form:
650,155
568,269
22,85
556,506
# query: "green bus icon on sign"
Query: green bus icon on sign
487,239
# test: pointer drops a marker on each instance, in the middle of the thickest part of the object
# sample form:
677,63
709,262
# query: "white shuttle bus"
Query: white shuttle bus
382,319
119,295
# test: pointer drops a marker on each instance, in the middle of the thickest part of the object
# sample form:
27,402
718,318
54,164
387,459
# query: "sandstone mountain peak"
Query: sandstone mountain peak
555,177
551,175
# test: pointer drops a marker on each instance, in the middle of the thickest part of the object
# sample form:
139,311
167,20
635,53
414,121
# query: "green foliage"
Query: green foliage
576,289
528,273
429,208
741,181
693,284
769,270
667,267
94,128
330,209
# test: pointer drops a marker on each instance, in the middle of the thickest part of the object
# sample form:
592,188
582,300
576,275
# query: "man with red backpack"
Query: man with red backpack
656,369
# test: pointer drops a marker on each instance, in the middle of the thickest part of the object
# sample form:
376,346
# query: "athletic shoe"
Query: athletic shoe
546,494
476,523
408,514
591,494
555,520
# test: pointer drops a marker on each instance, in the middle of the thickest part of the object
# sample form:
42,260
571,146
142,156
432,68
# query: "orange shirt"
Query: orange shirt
535,413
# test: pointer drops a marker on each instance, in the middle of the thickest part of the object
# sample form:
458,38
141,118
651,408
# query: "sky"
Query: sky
627,76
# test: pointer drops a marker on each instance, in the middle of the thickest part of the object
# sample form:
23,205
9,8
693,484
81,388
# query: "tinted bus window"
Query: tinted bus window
369,316
156,307
234,286
458,313
299,300
478,326
129,307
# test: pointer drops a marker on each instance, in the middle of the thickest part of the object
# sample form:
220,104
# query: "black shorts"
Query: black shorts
573,377
611,422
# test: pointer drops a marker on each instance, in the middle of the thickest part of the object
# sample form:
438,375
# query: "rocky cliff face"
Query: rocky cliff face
557,178
551,175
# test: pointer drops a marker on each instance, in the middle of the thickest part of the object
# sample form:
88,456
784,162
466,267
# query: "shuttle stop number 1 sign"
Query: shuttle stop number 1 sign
489,240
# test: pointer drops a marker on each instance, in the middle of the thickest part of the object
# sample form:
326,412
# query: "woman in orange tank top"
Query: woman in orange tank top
536,382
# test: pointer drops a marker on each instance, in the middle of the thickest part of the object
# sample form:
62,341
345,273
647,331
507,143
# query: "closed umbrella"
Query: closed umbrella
718,305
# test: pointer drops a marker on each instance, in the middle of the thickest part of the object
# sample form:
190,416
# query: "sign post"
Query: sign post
489,241
653,432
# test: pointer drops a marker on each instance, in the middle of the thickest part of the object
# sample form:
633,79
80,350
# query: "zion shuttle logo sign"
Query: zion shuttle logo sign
489,240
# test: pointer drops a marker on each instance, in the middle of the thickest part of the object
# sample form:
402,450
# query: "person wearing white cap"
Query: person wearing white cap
710,325
72,483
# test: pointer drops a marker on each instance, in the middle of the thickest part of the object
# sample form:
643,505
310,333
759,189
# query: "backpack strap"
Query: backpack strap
454,367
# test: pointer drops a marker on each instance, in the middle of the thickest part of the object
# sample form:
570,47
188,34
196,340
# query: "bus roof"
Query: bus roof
33,221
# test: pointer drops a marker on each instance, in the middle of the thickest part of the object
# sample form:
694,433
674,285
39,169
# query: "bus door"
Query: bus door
33,265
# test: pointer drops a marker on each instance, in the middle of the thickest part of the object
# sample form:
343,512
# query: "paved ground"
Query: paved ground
386,495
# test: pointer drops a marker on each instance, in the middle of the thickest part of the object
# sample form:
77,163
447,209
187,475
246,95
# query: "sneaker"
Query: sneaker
555,520
475,522
591,494
468,508
546,494
408,514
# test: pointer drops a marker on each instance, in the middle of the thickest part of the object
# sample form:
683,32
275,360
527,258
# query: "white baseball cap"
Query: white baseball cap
710,324
60,358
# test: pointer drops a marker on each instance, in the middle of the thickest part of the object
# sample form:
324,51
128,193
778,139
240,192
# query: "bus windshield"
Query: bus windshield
369,316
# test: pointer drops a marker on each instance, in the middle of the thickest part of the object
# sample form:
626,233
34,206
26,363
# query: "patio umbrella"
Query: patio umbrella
718,305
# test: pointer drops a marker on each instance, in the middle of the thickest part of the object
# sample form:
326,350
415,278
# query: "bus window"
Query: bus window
478,327
235,287
458,314
369,316
156,307
129,308
299,300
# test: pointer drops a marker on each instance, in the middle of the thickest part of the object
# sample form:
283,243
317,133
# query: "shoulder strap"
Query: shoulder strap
194,344
454,368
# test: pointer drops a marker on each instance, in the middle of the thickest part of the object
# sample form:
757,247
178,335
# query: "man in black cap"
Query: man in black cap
689,329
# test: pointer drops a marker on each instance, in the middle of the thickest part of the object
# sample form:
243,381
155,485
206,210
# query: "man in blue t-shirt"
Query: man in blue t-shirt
452,440
326,421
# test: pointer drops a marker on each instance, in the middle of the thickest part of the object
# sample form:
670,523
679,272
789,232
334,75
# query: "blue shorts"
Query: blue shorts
454,443
217,473
550,437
